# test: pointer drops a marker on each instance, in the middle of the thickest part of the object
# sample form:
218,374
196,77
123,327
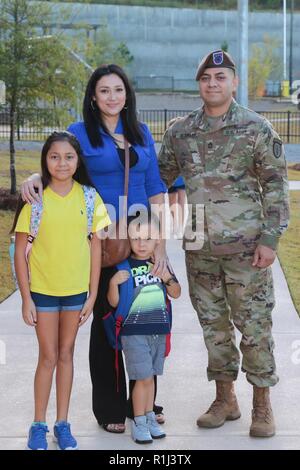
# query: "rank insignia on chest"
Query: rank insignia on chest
196,157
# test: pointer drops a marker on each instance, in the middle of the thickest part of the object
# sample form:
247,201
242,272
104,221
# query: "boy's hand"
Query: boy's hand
29,313
86,310
120,277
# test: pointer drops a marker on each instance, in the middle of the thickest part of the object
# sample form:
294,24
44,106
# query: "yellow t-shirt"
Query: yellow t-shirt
60,256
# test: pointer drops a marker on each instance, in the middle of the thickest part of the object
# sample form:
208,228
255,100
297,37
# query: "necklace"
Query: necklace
118,140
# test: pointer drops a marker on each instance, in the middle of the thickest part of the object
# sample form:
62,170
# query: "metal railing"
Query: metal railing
31,123
37,124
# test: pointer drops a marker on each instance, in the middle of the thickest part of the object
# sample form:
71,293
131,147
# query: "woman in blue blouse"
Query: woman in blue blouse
109,113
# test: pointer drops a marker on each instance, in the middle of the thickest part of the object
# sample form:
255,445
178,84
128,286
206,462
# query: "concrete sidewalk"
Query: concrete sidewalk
294,185
183,390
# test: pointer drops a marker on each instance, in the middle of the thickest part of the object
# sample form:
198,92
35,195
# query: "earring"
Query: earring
92,105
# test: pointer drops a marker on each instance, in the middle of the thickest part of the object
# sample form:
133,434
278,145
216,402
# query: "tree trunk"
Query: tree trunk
56,114
13,181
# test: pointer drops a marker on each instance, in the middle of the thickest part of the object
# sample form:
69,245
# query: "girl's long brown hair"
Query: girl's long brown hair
81,174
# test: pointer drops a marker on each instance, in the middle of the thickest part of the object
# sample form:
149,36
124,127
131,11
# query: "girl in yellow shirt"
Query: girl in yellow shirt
64,269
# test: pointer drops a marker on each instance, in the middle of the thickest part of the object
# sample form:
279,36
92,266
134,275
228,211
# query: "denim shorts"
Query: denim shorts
144,355
51,303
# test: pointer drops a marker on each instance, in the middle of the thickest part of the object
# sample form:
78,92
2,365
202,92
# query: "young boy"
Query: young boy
147,325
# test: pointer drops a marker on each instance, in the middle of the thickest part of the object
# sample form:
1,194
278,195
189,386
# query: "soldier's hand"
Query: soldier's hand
263,256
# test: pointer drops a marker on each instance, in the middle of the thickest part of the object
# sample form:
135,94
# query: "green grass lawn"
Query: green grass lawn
26,164
294,175
29,162
289,250
7,285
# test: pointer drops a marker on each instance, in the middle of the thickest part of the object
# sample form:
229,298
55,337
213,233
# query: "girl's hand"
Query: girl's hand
86,310
28,189
120,277
29,313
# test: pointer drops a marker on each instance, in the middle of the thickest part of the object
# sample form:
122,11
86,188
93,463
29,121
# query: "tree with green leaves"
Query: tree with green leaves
102,48
263,64
33,67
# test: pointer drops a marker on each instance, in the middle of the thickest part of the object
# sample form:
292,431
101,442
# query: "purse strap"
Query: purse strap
126,180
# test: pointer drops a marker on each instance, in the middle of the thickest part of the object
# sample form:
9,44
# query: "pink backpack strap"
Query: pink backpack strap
89,199
35,220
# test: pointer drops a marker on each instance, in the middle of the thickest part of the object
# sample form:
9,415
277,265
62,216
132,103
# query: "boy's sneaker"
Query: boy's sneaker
63,436
140,431
37,437
155,429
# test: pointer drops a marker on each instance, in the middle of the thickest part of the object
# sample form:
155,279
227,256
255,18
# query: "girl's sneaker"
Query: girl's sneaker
140,431
155,429
63,436
37,437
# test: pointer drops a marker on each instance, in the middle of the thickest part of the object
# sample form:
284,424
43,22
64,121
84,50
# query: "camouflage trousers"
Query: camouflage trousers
227,291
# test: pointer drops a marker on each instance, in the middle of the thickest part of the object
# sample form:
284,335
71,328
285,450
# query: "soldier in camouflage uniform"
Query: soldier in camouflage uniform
233,164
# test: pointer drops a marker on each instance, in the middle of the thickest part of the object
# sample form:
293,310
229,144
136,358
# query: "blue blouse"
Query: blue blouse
107,172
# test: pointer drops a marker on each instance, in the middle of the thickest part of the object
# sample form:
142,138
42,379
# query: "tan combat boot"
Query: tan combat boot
263,424
224,407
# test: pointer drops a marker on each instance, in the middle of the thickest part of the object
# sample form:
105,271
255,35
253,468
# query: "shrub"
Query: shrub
8,201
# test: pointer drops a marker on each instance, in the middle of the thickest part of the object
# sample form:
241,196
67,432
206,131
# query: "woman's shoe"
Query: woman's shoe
158,410
160,418
116,428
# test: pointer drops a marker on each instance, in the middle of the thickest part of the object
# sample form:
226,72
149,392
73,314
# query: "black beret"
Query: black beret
213,60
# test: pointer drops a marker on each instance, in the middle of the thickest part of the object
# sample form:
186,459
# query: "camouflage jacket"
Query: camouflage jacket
237,172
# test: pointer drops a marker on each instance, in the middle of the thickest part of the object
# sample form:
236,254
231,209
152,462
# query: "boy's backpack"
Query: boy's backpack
37,211
114,320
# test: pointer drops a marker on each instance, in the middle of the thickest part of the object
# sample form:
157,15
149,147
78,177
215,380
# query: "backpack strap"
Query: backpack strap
89,199
35,220
122,310
168,337
126,293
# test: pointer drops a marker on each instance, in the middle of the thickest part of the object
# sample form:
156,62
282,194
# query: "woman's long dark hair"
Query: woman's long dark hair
92,115
81,174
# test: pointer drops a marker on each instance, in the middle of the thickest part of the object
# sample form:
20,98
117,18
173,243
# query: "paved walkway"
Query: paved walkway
294,185
183,390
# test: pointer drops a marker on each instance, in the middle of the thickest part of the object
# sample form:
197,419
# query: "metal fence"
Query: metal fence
36,124
31,123
286,123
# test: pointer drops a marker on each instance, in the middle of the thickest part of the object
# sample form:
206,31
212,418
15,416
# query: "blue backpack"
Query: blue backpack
114,320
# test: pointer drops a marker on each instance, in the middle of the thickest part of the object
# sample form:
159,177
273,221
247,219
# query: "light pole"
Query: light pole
291,47
243,51
284,40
